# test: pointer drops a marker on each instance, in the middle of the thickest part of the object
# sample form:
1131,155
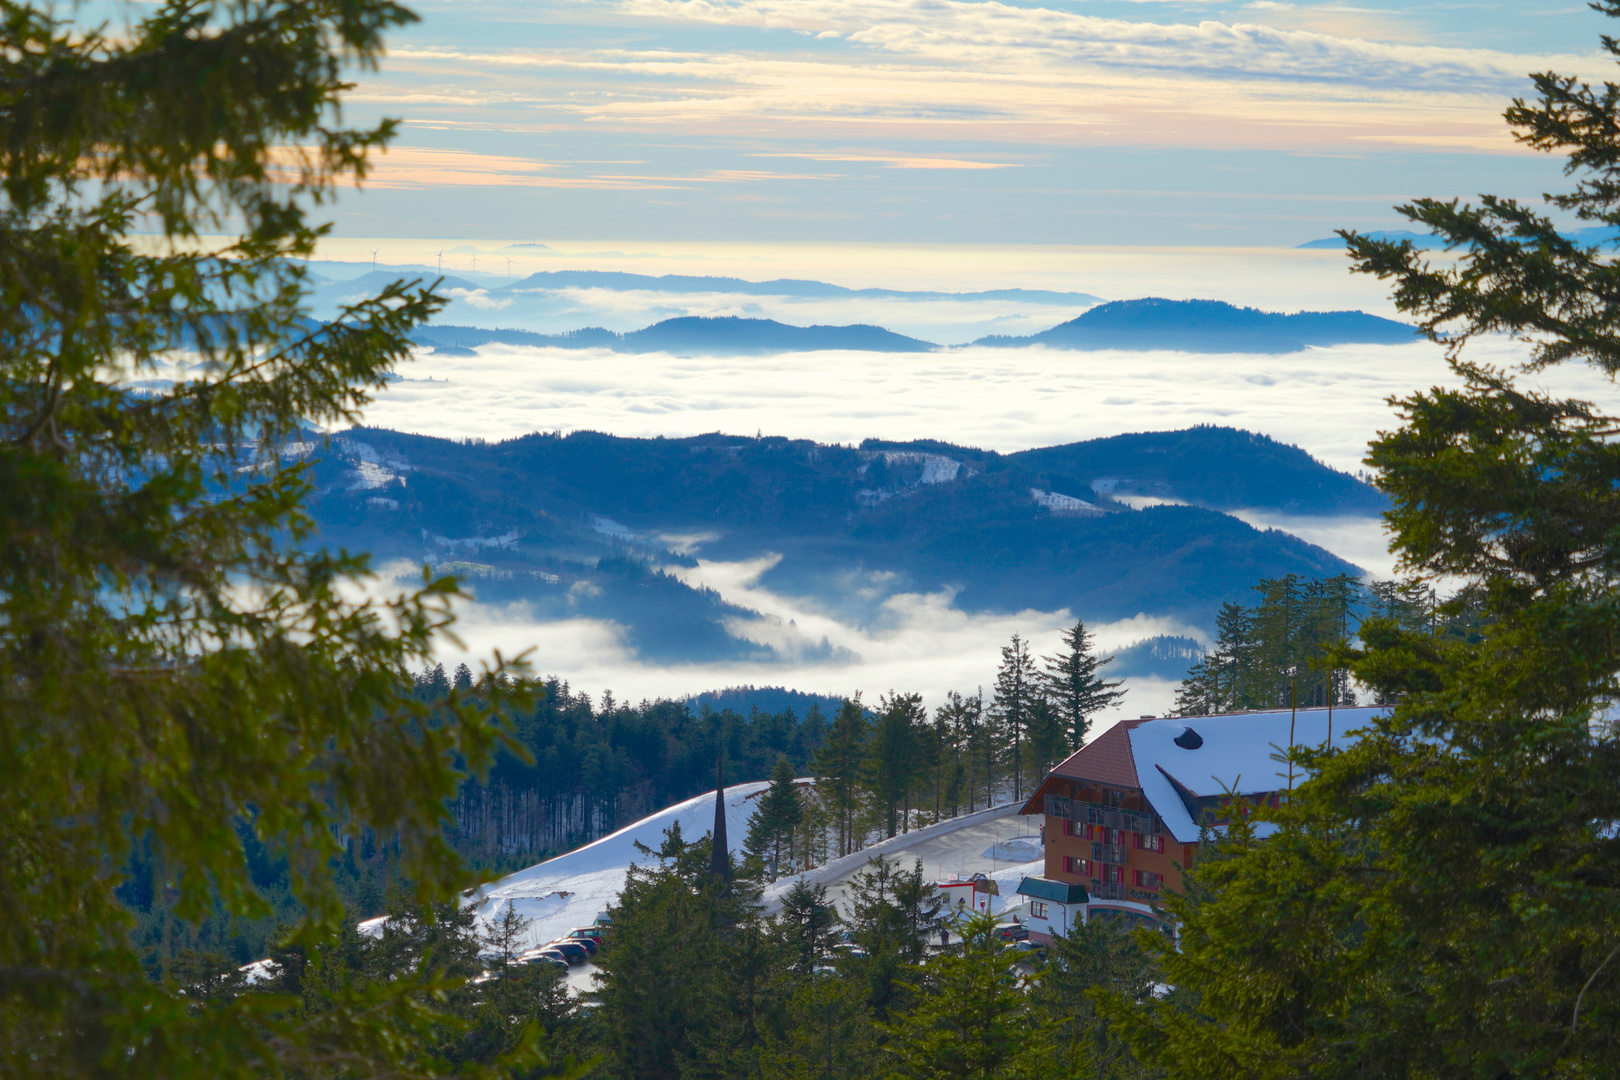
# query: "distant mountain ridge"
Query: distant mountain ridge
621,281
1204,326
686,283
1210,326
726,335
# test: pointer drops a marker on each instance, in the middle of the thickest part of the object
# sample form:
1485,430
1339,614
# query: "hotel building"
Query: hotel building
1124,813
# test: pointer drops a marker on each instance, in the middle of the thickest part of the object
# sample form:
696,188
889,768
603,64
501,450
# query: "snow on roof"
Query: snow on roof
571,890
1235,755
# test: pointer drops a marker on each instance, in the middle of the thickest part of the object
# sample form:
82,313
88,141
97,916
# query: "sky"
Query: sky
1080,122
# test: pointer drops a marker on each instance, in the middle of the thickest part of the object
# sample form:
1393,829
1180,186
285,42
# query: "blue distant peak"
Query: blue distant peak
1210,326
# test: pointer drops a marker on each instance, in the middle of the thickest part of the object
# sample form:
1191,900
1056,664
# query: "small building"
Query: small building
968,894
1124,813
1051,908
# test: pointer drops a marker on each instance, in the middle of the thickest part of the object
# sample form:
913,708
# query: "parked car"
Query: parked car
1015,932
1028,948
545,956
592,946
584,933
848,948
573,950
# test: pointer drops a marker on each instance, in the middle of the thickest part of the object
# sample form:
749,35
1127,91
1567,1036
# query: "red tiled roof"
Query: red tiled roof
1107,759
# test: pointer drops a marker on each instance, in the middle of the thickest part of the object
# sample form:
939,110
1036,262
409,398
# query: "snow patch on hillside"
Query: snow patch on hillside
936,468
1066,505
370,468
571,890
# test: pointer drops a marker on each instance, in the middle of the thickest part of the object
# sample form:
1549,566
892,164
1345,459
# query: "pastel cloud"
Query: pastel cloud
984,71
893,161
421,167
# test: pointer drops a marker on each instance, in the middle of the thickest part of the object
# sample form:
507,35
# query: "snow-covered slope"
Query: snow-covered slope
572,889
956,846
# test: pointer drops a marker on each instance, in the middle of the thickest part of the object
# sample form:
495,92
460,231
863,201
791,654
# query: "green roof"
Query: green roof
1058,892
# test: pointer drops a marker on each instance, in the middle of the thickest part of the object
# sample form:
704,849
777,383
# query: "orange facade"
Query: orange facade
1102,832
1107,839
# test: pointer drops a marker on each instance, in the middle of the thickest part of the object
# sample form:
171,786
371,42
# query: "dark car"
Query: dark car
547,956
592,946
573,950
1015,932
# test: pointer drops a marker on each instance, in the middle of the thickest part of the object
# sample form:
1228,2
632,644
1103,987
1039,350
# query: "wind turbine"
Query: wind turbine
509,266
475,264
441,262
374,260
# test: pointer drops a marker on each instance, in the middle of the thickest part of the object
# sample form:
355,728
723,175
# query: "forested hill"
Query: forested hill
1219,467
1210,326
598,526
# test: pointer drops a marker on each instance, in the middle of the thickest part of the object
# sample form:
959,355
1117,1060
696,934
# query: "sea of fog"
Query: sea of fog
1330,401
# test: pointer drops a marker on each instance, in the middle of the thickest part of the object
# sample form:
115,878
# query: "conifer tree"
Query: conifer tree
950,772
892,915
828,1034
1017,690
1277,653
805,925
890,769
964,718
837,767
687,966
508,935
180,664
1096,956
773,825
1073,683
1046,737
972,1018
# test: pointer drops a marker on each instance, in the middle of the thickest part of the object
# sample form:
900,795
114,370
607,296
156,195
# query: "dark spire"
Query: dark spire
720,864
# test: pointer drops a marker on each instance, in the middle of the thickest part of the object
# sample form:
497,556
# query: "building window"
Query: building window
1073,828
1147,879
1037,910
1078,867
1113,874
1150,843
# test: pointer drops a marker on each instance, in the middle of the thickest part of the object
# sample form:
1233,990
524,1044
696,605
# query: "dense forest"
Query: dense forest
885,765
